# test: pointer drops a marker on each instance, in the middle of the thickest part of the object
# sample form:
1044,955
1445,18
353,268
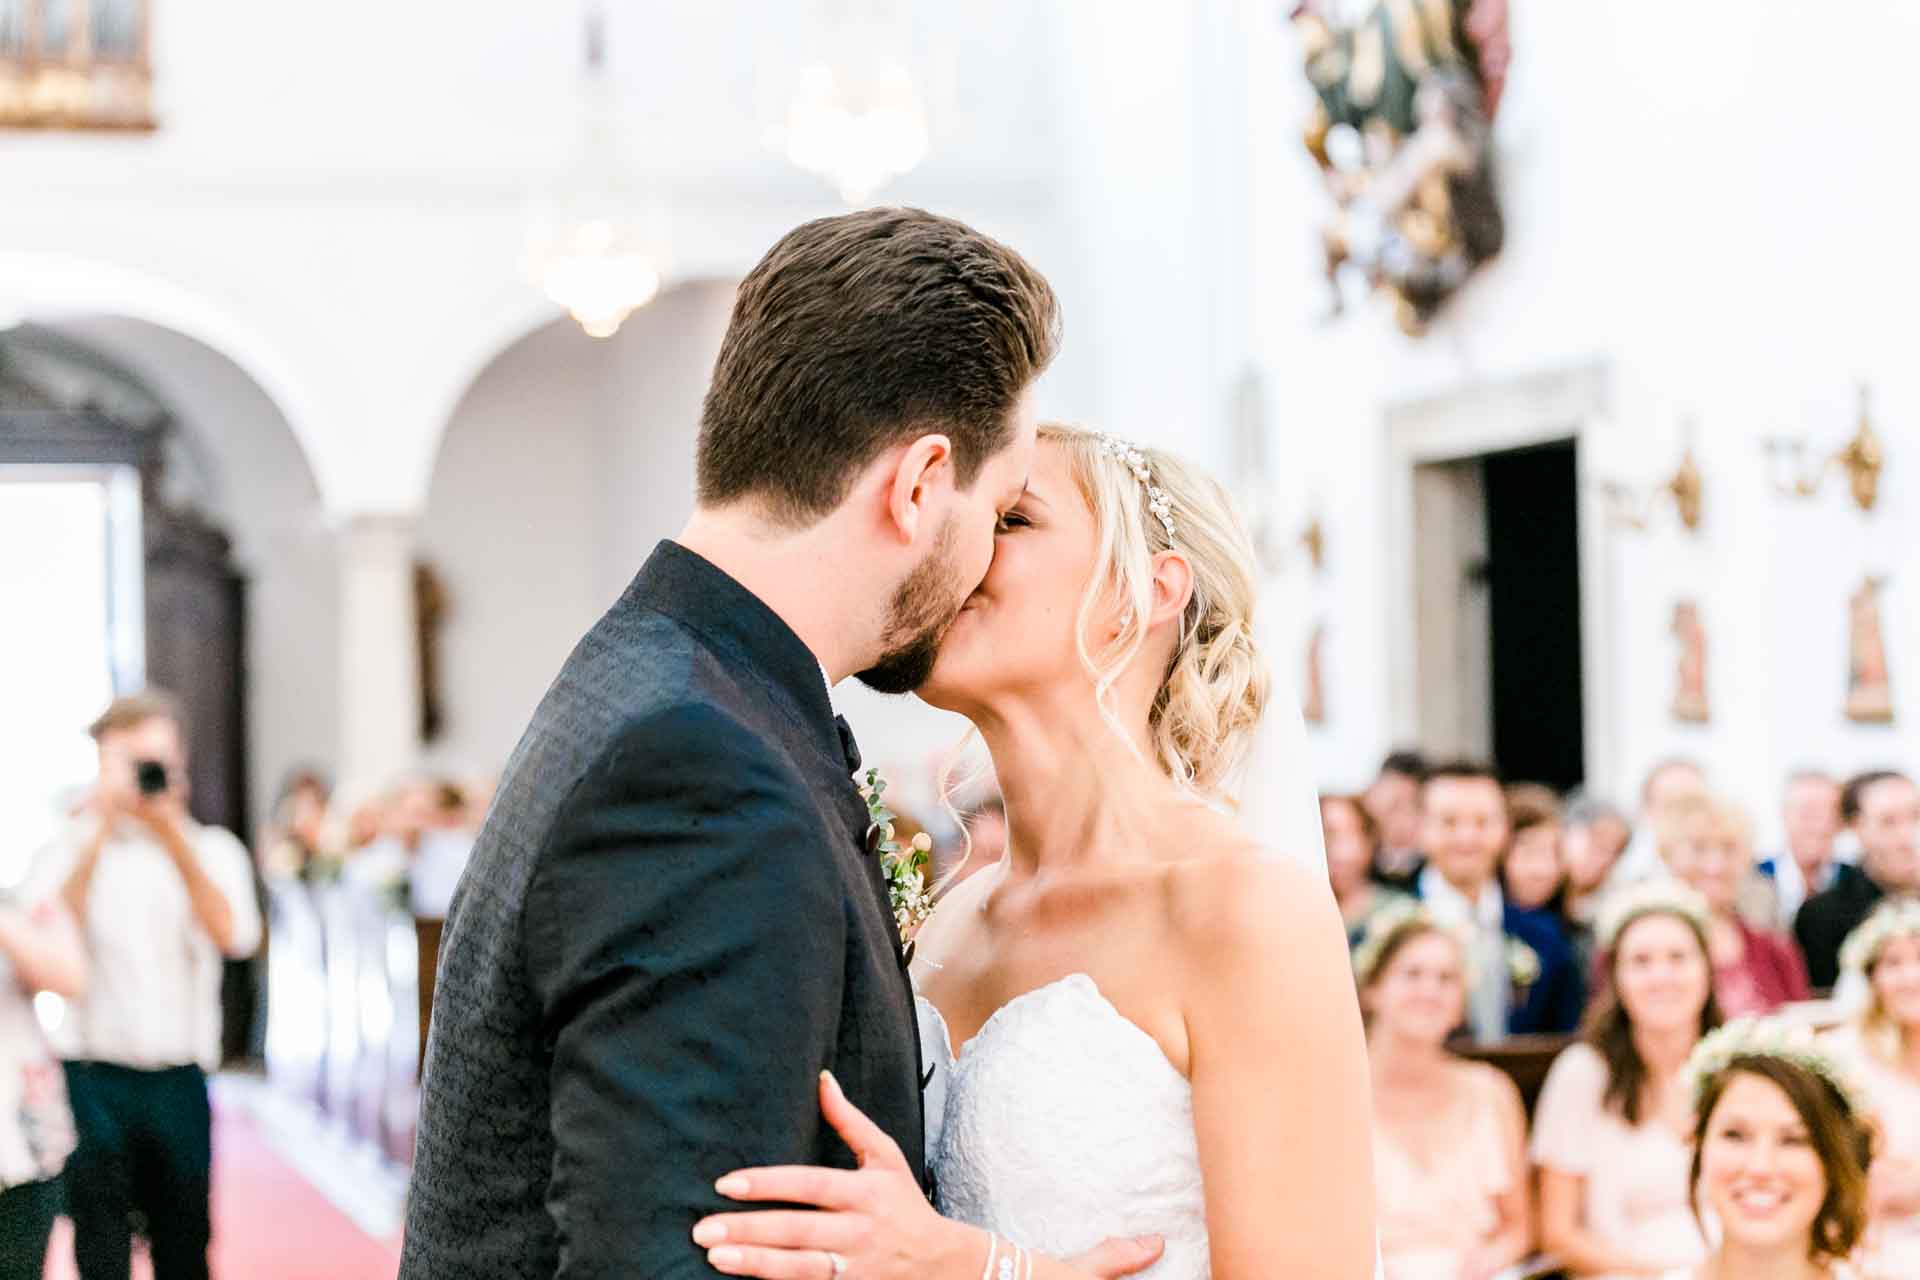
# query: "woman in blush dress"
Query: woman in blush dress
1883,1043
1611,1128
1781,1152
1709,846
1449,1136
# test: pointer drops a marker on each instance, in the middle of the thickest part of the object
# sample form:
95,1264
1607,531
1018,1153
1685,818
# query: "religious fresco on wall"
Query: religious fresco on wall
1405,96
1869,683
1690,704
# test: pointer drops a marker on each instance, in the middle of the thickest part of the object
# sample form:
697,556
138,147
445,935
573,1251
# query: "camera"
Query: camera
151,777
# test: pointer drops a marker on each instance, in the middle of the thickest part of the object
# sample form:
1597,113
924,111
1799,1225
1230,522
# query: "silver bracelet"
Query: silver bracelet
1010,1267
993,1247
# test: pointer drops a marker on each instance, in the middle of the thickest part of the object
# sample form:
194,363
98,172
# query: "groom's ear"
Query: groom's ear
923,466
1172,587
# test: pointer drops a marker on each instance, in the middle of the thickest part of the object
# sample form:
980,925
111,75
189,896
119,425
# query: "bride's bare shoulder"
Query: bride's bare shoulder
1236,892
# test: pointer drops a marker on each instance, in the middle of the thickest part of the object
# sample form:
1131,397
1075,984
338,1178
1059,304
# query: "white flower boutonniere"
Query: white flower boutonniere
904,869
1523,964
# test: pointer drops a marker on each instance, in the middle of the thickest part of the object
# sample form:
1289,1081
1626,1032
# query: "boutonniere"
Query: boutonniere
1523,964
903,868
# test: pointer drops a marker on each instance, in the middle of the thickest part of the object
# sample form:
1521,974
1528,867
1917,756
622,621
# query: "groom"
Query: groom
670,925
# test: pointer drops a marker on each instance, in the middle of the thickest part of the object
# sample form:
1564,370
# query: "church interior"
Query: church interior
1553,353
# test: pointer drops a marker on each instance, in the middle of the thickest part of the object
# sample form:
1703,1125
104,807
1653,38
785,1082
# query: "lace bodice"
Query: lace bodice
1062,1124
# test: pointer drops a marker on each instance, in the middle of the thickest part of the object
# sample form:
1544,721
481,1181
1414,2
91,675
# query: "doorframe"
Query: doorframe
1494,417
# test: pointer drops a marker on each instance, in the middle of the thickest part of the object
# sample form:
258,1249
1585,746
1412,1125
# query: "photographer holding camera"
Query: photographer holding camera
160,901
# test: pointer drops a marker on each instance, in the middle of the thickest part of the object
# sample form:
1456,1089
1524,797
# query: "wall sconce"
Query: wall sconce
1686,486
1862,458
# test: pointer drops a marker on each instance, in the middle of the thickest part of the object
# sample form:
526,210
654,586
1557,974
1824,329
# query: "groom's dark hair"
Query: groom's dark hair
859,332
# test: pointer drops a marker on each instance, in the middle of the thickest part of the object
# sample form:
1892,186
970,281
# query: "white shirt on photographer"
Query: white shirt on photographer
153,993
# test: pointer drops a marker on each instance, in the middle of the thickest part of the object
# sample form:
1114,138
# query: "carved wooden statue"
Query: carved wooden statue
1313,696
430,606
1690,704
1869,683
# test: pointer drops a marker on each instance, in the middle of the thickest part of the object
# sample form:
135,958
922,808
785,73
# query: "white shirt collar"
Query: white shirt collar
1450,905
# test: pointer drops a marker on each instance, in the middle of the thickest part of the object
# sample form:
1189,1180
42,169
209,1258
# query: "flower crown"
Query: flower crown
1890,920
1650,897
1388,923
1753,1037
1130,456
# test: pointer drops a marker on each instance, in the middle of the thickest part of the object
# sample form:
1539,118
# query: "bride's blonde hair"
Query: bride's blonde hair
1202,721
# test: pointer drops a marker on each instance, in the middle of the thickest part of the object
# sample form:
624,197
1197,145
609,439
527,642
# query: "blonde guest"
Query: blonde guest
1611,1128
1449,1136
1708,845
1884,1044
1781,1152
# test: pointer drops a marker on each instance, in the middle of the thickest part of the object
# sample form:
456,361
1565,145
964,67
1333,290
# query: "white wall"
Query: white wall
1701,198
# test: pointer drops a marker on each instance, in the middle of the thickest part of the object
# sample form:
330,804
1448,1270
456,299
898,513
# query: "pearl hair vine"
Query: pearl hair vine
1129,456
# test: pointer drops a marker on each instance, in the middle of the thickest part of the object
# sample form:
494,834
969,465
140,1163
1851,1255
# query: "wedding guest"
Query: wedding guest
1449,1136
440,850
1883,809
160,900
1611,1127
1522,977
1351,840
1810,812
1393,799
1781,1154
1533,871
1884,1043
1596,834
40,950
300,844
1709,846
1669,782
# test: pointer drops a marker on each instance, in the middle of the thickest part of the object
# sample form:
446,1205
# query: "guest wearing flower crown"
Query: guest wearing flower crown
1352,839
1610,1130
1884,1043
1449,1136
1780,1154
1708,844
1522,977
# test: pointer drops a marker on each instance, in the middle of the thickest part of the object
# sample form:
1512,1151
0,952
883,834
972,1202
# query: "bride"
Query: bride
1141,1023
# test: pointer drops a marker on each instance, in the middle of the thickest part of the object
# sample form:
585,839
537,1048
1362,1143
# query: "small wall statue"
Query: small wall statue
1313,699
1869,684
1690,704
1402,132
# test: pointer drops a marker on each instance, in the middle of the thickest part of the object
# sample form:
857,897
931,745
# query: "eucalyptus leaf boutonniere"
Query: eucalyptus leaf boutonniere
903,868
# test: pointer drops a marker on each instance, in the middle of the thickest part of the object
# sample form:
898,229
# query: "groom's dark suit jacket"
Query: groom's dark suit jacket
669,927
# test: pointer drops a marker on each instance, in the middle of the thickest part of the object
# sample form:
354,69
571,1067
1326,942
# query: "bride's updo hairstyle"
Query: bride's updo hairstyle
1202,722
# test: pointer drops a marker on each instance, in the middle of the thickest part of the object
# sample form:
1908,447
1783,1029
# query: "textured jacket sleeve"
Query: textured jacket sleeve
685,942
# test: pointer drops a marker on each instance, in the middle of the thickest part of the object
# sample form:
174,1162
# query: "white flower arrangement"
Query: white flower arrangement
1660,896
904,870
1890,920
1523,963
1756,1037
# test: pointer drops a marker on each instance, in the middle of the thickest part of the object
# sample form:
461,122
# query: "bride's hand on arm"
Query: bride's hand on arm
875,1218
1281,1102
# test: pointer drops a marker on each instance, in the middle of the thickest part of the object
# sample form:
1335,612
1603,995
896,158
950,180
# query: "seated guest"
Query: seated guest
1668,783
1393,800
1522,974
1883,810
1808,865
1709,846
1533,871
1350,836
1449,1136
1610,1131
40,950
1595,835
1884,1044
1780,1154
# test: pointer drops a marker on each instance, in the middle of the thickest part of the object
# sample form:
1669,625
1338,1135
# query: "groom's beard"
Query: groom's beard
924,606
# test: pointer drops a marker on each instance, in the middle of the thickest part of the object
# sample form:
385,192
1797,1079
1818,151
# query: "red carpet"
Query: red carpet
268,1222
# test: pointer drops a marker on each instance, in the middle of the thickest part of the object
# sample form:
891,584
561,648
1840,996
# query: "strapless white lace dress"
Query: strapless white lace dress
1062,1124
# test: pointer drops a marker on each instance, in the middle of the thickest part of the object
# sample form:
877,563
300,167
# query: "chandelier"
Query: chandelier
854,117
857,130
589,247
